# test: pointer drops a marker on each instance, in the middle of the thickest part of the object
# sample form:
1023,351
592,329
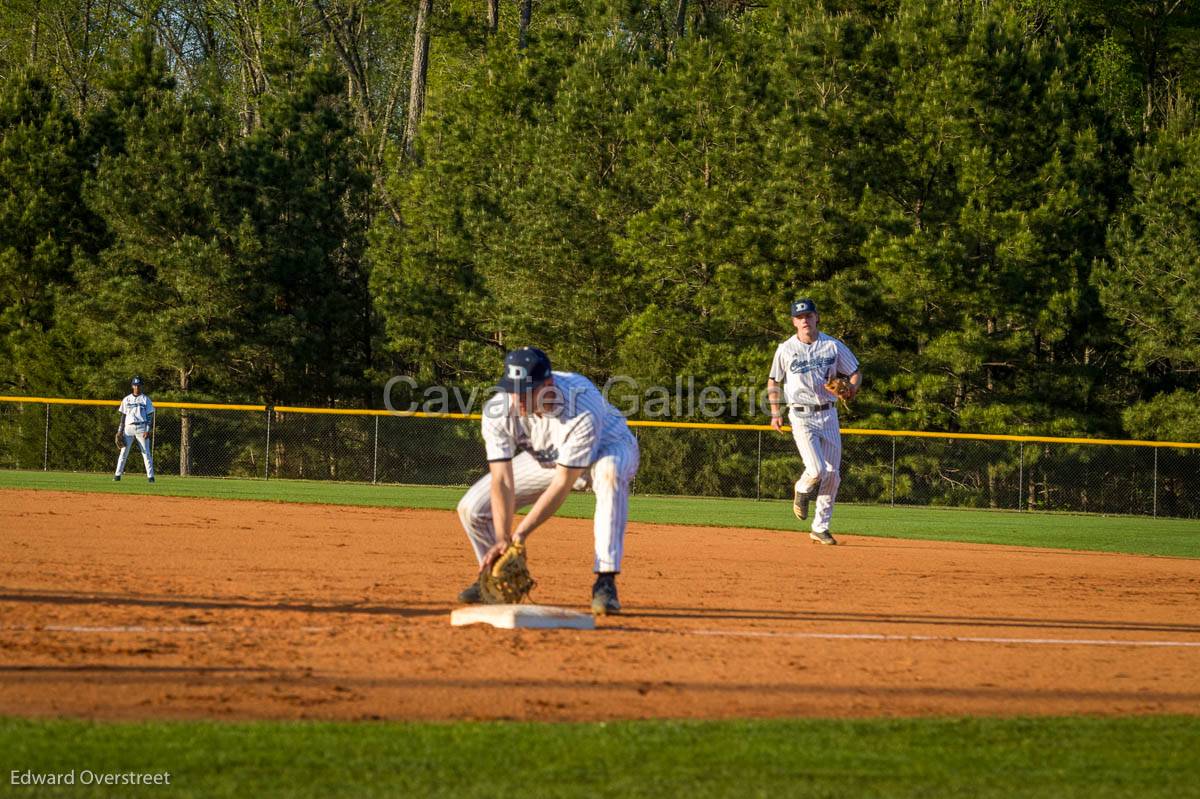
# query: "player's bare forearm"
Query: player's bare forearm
856,382
504,499
775,404
549,502
774,400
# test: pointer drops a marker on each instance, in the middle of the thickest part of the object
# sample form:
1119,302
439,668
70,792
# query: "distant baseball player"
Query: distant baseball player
545,433
137,415
810,367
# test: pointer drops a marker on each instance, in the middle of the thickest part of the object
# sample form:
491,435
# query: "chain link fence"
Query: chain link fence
732,461
947,472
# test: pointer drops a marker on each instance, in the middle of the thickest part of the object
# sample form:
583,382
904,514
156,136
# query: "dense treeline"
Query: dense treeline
997,204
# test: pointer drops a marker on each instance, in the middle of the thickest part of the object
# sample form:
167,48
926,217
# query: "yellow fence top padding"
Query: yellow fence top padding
846,431
56,401
117,403
365,412
208,406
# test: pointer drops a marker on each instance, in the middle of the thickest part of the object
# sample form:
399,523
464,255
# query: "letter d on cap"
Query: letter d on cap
517,372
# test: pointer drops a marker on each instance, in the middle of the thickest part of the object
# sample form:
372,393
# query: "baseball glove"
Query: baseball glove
841,388
508,581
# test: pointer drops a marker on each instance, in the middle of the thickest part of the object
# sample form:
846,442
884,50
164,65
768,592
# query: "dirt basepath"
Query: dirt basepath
120,607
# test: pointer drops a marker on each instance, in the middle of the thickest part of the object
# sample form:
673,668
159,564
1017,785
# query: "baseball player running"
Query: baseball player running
137,413
802,366
545,433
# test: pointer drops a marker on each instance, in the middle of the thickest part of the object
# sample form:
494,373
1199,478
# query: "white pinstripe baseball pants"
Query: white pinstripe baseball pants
141,435
819,439
610,476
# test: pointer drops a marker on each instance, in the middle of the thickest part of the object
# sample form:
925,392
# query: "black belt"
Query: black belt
812,408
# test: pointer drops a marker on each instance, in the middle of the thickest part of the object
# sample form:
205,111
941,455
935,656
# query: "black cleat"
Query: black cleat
471,595
604,595
117,479
151,479
823,538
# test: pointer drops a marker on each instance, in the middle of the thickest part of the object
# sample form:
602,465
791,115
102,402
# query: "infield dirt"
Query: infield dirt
115,607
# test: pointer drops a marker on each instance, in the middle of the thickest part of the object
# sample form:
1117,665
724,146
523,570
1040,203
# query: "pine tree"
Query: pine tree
299,193
985,165
43,163
1150,283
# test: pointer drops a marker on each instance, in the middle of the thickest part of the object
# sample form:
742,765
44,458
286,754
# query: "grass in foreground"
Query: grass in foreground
1050,757
1130,534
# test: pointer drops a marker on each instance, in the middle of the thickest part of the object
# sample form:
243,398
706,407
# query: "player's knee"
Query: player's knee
605,476
809,478
470,512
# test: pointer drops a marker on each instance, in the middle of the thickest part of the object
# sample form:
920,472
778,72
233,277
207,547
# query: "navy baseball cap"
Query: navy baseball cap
136,381
803,306
524,369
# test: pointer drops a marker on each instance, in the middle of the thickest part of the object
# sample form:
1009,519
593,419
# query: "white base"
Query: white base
522,617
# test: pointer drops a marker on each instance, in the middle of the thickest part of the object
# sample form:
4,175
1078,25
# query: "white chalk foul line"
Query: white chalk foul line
135,628
971,639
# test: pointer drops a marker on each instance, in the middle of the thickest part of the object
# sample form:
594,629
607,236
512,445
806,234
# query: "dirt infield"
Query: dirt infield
117,607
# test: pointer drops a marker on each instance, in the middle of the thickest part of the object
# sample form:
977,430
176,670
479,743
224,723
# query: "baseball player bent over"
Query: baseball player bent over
137,414
803,366
545,433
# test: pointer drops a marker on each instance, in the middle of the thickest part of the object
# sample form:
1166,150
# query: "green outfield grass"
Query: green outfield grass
1052,757
1132,534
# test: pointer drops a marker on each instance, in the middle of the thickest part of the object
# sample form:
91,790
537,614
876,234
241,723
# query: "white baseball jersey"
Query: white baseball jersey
804,369
584,432
573,435
137,410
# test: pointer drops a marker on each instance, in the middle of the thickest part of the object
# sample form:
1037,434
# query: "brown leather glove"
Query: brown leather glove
508,581
841,388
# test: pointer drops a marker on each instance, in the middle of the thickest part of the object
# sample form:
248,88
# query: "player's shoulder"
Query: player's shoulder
574,385
832,339
842,352
571,378
497,406
497,401
580,396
